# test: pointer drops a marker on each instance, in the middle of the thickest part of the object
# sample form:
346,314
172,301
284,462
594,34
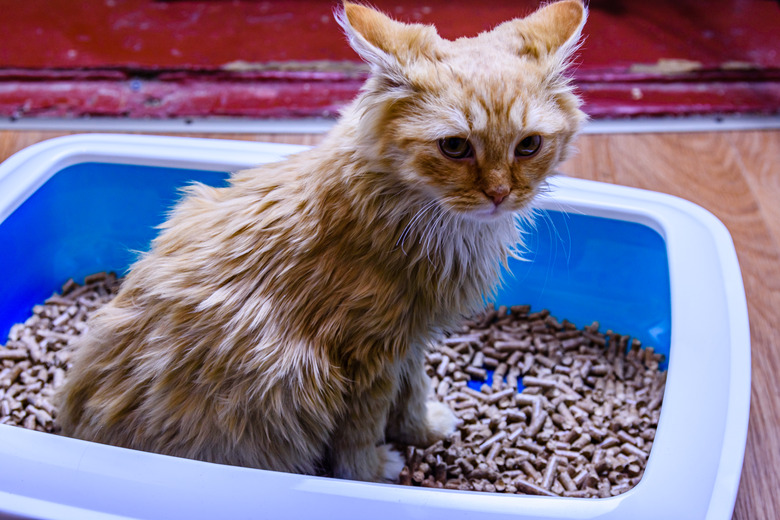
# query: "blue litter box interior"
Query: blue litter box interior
93,217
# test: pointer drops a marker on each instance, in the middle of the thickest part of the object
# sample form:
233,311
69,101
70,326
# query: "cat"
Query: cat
281,322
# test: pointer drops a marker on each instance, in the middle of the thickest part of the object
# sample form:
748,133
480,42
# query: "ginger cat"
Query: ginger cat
281,322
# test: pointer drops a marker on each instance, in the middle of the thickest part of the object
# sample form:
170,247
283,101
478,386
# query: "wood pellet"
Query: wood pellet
36,356
543,407
559,411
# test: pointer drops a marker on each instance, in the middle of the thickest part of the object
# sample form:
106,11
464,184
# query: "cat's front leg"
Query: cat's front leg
358,451
415,419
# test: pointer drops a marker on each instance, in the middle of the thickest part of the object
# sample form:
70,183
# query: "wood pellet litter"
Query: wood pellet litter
582,424
36,356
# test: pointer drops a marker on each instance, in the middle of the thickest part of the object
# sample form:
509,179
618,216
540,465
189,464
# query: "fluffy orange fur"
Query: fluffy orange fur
281,322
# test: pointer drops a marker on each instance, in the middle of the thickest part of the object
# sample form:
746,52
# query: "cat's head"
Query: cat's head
477,123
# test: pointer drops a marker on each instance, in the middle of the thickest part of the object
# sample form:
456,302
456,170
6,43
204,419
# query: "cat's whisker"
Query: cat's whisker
404,235
554,229
444,225
428,233
522,221
427,230
435,233
546,193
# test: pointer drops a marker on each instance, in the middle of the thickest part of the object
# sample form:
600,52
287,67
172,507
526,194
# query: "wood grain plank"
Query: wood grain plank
592,159
12,142
759,160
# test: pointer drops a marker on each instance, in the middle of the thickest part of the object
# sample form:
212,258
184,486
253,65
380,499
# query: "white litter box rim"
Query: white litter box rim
693,470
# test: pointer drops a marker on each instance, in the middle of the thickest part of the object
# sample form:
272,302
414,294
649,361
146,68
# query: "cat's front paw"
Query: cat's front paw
392,463
440,421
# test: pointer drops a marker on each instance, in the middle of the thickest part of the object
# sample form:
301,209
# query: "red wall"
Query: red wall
144,58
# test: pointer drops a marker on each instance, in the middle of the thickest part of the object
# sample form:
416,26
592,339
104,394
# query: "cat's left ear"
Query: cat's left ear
553,30
387,45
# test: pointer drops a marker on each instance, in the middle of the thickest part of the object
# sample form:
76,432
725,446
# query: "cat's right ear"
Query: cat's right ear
385,44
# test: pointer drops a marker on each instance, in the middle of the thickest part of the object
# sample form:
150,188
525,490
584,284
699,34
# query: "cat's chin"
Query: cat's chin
491,214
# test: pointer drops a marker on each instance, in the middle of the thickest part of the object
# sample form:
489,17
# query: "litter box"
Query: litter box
653,266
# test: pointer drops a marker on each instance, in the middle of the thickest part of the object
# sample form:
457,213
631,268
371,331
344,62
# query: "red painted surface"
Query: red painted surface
145,58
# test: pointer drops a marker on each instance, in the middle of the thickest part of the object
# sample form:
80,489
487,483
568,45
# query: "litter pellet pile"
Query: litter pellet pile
36,357
543,407
581,426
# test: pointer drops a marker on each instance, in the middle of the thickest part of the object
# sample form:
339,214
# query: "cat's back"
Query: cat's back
194,332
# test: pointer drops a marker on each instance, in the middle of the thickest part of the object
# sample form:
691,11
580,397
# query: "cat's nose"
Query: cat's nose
497,193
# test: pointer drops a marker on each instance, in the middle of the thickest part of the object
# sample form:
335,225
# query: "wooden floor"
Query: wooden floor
735,175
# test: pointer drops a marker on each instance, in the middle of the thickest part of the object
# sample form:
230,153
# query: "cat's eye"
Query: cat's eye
528,146
456,147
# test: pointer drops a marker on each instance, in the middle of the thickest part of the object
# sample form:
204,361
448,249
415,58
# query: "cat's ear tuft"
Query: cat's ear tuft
387,45
554,29
365,30
559,25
